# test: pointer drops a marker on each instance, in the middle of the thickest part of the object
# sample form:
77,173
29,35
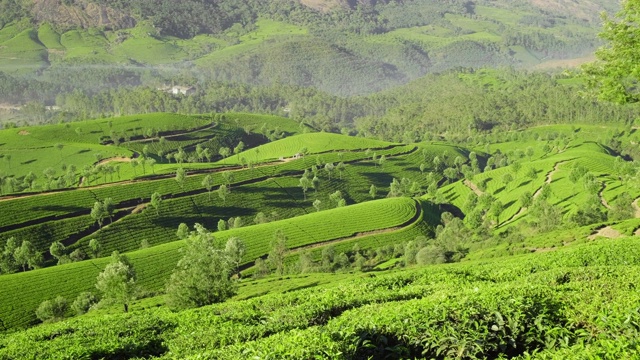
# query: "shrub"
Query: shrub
83,302
52,310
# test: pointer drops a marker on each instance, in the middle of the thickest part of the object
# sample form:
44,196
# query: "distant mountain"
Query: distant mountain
344,47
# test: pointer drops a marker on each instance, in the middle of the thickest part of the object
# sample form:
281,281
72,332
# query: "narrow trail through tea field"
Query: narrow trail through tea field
473,187
602,199
548,180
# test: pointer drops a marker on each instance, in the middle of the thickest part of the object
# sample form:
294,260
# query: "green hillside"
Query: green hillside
531,306
378,45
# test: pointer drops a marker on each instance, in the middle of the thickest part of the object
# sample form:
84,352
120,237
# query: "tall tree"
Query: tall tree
278,251
207,182
180,177
202,276
305,183
235,250
223,191
117,282
156,201
28,256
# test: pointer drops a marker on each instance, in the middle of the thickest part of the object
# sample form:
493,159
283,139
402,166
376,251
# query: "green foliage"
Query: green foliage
615,73
202,276
52,310
83,303
117,282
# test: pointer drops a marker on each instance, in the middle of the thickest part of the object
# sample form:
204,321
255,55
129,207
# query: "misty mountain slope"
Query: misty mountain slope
341,47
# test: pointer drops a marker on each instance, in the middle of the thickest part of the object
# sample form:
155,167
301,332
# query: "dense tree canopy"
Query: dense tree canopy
617,72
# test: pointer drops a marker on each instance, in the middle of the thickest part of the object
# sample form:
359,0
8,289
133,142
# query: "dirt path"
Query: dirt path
607,232
473,187
139,208
549,179
602,199
208,127
113,159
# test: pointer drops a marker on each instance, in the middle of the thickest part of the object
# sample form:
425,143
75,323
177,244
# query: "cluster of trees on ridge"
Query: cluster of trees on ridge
453,103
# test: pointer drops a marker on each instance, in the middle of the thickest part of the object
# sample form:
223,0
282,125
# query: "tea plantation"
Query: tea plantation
520,244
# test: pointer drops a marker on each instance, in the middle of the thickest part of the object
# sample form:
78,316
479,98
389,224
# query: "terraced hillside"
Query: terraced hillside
368,222
342,204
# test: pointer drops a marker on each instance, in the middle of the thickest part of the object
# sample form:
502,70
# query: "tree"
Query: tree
117,282
382,160
228,178
305,183
28,256
180,177
614,75
316,204
526,199
328,167
183,231
207,182
315,183
373,191
52,310
222,225
224,152
507,178
57,250
156,201
8,264
238,149
621,207
278,251
341,168
152,163
83,302
235,250
495,210
336,197
203,274
77,255
97,213
109,207
529,152
223,191
95,247
134,164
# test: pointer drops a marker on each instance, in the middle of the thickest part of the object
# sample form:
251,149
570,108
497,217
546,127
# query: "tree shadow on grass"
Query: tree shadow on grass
379,179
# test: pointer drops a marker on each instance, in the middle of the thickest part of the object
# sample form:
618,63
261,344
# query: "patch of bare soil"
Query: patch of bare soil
606,232
473,187
113,159
23,132
602,199
139,208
